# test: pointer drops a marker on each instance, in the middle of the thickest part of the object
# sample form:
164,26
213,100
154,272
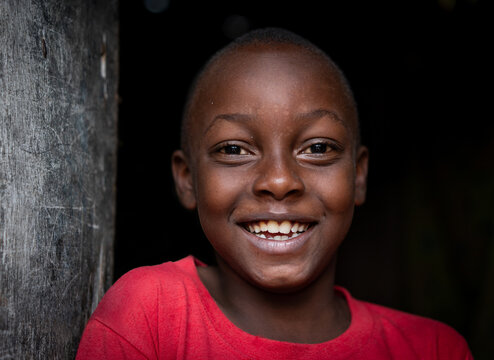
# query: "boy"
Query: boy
272,161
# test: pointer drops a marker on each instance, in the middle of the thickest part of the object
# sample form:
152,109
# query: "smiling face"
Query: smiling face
273,169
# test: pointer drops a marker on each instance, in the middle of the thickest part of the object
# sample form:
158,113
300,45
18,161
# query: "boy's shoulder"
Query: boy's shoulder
407,322
131,311
142,289
147,278
422,335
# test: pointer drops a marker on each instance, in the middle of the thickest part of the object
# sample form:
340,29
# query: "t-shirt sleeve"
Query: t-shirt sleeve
451,345
125,323
436,340
410,336
100,342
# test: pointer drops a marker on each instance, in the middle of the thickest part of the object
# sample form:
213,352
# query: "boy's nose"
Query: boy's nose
277,177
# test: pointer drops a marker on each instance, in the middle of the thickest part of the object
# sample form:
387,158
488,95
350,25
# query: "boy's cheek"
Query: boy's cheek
336,189
218,191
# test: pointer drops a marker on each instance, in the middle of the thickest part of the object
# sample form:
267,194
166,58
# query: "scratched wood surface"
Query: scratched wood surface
58,117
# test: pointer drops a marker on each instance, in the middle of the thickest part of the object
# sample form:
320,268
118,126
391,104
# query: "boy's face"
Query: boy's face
274,170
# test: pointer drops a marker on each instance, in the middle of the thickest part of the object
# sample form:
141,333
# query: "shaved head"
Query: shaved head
271,39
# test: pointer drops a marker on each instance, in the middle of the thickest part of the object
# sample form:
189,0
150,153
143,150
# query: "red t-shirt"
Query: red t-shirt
165,312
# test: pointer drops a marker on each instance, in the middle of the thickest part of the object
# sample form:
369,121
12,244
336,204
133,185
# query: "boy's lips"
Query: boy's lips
278,236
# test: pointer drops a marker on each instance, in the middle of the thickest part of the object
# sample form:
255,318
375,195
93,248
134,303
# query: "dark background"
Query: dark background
420,70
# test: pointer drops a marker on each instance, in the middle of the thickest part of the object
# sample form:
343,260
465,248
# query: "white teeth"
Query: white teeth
285,227
273,227
279,231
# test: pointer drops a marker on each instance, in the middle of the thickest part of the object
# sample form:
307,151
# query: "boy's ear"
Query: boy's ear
361,168
184,184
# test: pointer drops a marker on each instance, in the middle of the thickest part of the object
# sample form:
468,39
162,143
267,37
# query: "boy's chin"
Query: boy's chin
281,281
282,289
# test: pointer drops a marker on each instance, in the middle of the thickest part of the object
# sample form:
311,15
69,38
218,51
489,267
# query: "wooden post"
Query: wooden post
58,117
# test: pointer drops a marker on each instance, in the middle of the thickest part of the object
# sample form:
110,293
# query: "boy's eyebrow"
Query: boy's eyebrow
314,114
228,117
319,113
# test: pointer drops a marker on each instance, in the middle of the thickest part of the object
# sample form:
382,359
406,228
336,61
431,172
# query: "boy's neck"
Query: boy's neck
314,314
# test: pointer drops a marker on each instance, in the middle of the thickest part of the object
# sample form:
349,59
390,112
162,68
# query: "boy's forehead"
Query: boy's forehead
260,58
272,65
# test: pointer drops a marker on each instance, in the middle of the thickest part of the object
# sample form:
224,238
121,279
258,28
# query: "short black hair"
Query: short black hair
270,35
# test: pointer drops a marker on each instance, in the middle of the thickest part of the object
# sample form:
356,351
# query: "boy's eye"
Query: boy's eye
319,148
233,150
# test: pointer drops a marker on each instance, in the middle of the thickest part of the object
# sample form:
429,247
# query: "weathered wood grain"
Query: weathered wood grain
58,117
